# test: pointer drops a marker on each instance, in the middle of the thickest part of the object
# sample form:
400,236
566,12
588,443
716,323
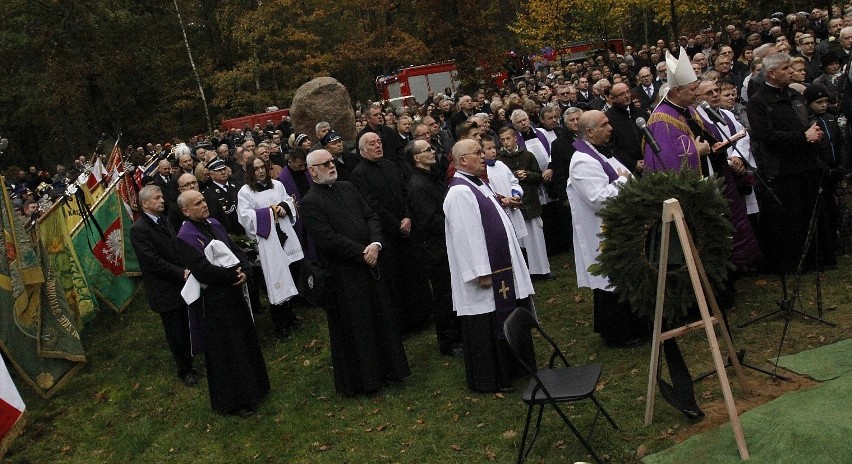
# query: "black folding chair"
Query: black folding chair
551,385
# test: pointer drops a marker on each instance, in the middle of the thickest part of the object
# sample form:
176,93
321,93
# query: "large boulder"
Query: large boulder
323,99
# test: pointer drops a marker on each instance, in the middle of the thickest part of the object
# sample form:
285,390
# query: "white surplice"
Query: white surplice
503,182
274,259
588,187
467,249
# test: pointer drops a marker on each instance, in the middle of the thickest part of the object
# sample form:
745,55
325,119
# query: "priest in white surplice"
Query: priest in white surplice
592,179
268,213
488,274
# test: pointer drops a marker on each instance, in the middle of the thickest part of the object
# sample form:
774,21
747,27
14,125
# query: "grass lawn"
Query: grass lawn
126,405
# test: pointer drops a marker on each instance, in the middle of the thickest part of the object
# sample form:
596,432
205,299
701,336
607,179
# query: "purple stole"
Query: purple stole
583,147
308,247
190,234
541,138
499,255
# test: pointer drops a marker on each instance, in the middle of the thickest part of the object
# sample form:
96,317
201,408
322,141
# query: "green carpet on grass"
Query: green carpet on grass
808,426
821,364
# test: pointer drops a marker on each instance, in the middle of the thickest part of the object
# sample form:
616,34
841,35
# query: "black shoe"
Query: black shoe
244,412
282,333
454,352
190,379
548,276
628,343
507,389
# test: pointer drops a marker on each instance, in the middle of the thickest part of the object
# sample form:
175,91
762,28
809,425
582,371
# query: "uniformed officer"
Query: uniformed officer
221,197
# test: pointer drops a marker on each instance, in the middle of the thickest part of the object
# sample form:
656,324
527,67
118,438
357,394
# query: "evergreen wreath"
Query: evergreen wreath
632,230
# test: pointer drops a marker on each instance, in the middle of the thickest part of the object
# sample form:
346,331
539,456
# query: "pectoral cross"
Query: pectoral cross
504,289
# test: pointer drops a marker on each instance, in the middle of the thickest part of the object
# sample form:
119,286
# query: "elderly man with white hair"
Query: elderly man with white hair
366,349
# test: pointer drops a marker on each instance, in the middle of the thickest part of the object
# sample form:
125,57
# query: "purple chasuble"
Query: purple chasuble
583,147
191,234
499,255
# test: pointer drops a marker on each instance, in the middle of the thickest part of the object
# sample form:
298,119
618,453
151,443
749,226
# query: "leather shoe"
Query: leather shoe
282,333
455,352
190,379
244,412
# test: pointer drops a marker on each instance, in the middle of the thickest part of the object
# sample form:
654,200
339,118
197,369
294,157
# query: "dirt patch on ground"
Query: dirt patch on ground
763,389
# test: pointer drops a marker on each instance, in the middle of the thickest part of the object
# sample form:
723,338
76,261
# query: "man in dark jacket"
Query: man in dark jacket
787,153
153,240
626,140
425,200
383,187
366,348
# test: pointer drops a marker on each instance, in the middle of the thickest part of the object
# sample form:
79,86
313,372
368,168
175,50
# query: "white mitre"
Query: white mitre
679,70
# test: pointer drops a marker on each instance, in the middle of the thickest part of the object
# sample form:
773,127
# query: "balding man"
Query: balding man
594,178
488,275
366,348
626,140
236,372
646,87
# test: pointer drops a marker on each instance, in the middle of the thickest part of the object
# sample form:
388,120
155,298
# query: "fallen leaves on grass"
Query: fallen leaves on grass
553,300
578,298
641,451
509,434
323,446
455,447
490,454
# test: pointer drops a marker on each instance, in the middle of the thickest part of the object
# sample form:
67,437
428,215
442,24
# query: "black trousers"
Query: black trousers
176,329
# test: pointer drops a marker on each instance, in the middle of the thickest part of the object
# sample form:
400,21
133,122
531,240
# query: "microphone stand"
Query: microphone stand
743,158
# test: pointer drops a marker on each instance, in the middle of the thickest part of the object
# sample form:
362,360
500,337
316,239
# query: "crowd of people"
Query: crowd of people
446,211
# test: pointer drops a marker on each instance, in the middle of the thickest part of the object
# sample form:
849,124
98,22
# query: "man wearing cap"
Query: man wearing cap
344,160
221,197
831,78
686,141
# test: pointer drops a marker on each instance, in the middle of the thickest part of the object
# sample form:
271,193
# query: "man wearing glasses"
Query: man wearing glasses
366,349
489,278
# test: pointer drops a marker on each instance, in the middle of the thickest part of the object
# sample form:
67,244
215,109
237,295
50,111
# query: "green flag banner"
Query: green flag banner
38,332
56,241
106,257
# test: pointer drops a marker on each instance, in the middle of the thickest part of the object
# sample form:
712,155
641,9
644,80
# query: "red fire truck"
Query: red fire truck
272,113
418,81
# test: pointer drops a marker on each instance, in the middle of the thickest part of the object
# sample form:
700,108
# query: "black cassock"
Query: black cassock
366,348
236,371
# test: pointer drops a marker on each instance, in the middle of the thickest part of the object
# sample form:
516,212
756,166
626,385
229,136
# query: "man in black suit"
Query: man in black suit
344,160
153,240
163,179
647,88
584,95
390,140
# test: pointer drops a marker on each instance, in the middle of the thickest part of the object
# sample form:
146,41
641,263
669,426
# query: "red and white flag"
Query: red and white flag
11,410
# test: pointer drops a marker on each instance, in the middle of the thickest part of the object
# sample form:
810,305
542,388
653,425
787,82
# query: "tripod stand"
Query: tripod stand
787,305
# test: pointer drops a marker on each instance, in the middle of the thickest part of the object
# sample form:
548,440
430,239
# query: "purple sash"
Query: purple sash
190,234
731,127
583,147
541,138
499,254
308,246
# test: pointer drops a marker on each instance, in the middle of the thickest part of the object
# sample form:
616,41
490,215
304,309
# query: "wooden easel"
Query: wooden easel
672,212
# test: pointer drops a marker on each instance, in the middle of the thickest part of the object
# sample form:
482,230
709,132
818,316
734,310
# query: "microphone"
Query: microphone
640,123
712,113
